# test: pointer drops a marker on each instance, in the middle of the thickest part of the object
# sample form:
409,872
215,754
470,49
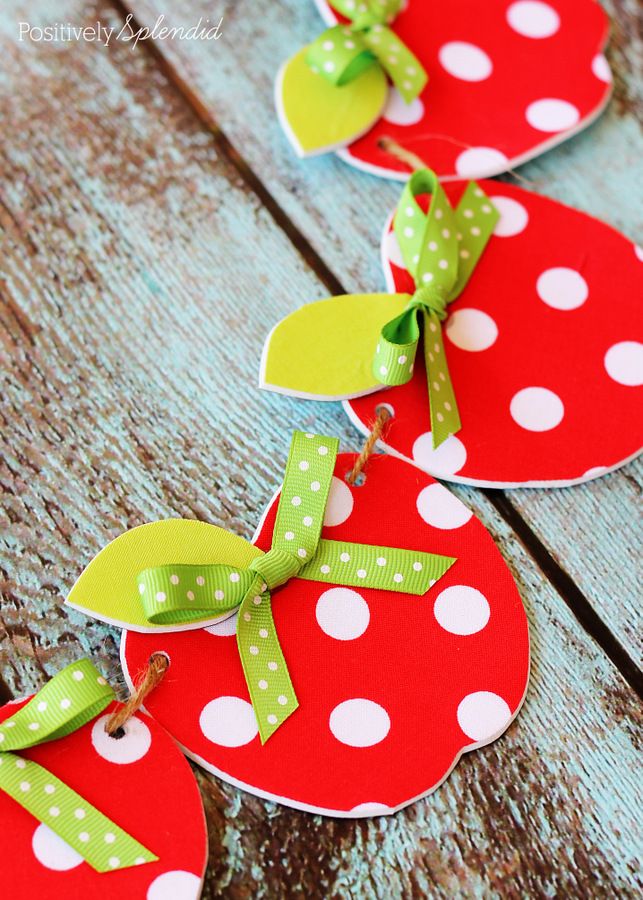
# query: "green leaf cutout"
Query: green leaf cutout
107,588
324,350
317,116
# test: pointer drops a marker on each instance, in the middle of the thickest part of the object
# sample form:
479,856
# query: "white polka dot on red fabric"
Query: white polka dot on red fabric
340,503
537,409
176,885
228,721
52,852
601,68
342,614
483,715
624,363
638,252
562,288
398,112
533,19
227,628
448,459
392,250
132,746
480,162
465,61
552,114
513,217
359,723
442,509
371,809
471,329
460,609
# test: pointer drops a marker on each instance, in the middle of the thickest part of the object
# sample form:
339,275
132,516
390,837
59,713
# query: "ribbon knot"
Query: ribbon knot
343,52
176,594
440,248
276,567
70,700
429,299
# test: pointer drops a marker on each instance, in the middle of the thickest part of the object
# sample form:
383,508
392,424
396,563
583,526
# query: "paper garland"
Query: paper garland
139,781
392,689
503,87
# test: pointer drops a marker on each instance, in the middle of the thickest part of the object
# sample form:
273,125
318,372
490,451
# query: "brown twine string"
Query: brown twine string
379,426
151,677
397,151
415,162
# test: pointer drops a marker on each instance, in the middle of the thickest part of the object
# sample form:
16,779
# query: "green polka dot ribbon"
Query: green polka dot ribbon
177,594
71,699
342,53
440,248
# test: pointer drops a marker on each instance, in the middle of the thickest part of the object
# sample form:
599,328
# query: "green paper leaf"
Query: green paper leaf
324,350
317,116
108,590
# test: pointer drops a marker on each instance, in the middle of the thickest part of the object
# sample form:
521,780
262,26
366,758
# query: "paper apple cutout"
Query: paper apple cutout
142,782
504,85
545,351
392,689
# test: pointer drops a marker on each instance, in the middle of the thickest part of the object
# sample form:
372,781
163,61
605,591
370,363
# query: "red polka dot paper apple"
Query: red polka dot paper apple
392,687
502,87
535,369
139,780
545,349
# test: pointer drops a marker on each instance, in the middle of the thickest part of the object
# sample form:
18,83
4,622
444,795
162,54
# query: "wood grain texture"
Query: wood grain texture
131,247
324,198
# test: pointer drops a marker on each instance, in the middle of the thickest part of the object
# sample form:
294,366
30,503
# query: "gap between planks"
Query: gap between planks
561,581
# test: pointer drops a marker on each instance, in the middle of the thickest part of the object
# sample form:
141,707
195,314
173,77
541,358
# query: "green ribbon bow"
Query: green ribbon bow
343,52
181,593
441,248
72,698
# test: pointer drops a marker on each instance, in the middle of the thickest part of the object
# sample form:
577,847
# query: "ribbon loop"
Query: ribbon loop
70,700
343,52
340,55
174,595
440,248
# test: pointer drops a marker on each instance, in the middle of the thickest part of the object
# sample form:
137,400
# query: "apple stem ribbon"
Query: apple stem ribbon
184,593
440,248
343,52
70,700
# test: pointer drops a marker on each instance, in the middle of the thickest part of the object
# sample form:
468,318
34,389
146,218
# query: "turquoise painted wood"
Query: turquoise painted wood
133,240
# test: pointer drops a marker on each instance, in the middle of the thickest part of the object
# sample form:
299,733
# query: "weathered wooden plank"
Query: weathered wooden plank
325,198
125,265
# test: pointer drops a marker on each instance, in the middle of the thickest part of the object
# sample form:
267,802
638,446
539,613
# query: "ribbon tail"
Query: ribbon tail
370,566
99,841
401,65
475,218
271,692
445,417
